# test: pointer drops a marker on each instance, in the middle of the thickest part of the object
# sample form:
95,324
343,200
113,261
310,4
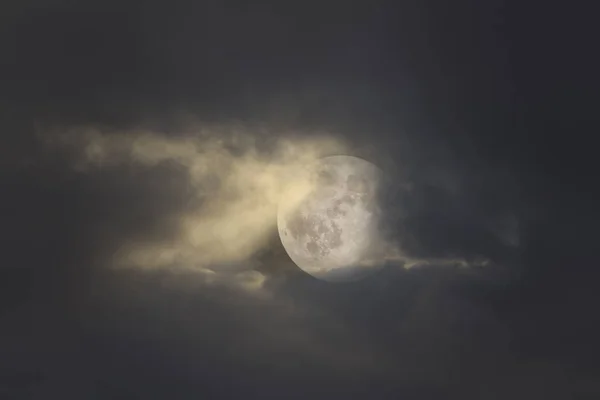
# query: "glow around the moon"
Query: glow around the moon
332,232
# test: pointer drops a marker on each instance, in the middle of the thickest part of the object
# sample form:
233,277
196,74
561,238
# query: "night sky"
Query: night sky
485,110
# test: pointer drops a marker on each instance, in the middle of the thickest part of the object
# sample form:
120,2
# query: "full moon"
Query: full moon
333,232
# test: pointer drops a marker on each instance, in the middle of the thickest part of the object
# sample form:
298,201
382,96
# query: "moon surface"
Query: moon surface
332,232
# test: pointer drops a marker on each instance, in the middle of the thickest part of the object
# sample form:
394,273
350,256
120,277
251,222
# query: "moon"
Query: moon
332,233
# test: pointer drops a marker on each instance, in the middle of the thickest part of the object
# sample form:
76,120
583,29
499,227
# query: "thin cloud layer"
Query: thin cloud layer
236,181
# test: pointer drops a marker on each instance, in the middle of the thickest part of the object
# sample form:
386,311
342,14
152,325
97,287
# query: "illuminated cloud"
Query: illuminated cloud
237,181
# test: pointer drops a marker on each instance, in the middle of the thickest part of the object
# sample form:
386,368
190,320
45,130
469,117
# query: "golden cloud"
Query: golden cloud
238,180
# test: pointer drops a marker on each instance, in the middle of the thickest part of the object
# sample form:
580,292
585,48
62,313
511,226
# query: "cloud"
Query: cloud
235,180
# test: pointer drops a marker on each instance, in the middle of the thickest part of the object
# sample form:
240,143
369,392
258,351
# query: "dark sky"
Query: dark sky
487,108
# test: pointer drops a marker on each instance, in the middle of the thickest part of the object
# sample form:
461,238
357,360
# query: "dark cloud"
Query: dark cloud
474,116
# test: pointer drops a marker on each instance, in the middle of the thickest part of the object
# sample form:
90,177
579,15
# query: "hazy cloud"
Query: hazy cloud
236,180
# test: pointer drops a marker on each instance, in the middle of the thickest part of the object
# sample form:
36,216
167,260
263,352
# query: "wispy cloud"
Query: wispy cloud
236,179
